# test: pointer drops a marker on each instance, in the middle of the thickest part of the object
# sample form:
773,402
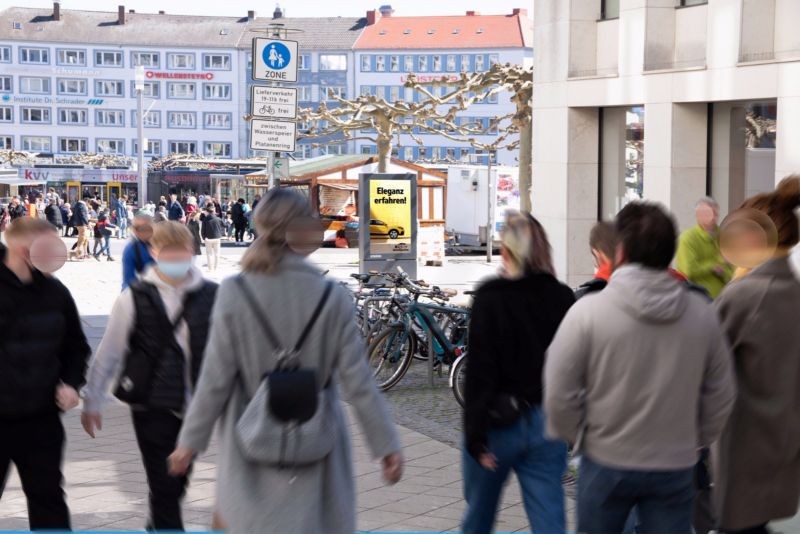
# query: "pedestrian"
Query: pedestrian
66,214
161,214
212,230
642,373
156,334
757,459
194,228
41,206
341,239
122,217
136,255
603,245
229,228
44,353
175,210
255,493
53,215
5,218
514,319
102,234
698,255
80,220
239,217
17,209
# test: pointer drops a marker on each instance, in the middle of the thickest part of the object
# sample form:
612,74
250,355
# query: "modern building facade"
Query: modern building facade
392,47
667,100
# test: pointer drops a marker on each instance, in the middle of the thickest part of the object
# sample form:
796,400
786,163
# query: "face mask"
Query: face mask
174,269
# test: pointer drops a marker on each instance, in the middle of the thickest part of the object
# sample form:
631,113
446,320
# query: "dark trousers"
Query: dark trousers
157,433
36,446
240,227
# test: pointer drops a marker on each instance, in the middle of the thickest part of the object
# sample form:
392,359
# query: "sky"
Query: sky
292,8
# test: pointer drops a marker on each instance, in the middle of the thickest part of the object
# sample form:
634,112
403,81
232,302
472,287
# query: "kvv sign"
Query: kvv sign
274,60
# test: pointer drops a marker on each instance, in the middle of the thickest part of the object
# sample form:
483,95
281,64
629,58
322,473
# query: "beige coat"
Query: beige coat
757,460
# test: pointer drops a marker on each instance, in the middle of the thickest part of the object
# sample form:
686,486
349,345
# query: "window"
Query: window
146,59
367,149
220,150
494,59
216,91
423,152
609,9
408,63
35,56
5,54
34,85
303,152
407,153
217,121
152,119
624,181
109,88
37,144
153,148
366,63
451,63
36,115
304,93
465,63
394,93
437,64
337,149
332,62
70,145
217,61
181,119
73,116
423,63
492,98
479,66
394,63
334,90
380,63
180,90
110,146
108,58
180,61
366,90
151,89
72,57
6,142
6,114
5,84
69,86
109,117
304,62
182,147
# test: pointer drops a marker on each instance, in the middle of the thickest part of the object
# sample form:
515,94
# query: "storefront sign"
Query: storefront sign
78,175
180,75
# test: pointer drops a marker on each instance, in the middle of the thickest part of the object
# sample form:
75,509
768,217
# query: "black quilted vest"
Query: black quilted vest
153,337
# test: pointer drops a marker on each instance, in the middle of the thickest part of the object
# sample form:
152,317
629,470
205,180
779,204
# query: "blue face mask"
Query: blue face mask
174,269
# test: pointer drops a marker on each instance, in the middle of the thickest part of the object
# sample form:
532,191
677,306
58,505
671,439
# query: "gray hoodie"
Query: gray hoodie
639,374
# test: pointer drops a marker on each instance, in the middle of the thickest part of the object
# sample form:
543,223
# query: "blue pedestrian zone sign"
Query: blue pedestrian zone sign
274,60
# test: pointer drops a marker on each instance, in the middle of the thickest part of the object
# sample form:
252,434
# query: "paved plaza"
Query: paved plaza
105,481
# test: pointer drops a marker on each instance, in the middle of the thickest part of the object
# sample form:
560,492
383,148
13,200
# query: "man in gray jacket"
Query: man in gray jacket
639,377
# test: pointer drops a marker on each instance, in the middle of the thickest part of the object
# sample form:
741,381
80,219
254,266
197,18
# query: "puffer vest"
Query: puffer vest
153,340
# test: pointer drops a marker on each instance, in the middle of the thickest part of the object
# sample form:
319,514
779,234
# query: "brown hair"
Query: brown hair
273,217
780,206
171,234
525,241
28,226
603,237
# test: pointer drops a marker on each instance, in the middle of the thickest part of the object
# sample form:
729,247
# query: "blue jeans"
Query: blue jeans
606,496
539,464
123,229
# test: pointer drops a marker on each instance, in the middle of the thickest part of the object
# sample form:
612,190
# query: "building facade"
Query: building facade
392,47
667,100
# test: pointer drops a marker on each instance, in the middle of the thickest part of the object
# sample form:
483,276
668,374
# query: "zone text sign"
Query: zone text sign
273,102
278,136
274,60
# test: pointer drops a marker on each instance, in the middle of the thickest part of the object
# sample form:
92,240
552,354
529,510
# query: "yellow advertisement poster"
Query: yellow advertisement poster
390,216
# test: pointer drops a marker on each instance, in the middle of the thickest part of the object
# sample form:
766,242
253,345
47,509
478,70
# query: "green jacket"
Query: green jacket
698,256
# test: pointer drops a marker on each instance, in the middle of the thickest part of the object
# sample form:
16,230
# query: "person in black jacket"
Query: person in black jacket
43,354
16,209
213,231
53,214
239,219
175,210
514,319
80,220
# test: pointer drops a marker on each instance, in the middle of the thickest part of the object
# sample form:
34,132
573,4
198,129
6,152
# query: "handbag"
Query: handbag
289,412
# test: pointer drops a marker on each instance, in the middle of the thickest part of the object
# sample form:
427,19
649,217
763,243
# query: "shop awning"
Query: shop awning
341,187
8,180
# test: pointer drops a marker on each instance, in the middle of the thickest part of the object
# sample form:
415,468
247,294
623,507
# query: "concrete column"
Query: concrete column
787,153
675,157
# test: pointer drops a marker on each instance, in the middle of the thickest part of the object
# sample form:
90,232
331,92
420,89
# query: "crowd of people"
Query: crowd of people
675,387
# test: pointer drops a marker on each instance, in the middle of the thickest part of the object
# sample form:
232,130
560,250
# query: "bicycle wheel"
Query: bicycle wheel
459,379
390,356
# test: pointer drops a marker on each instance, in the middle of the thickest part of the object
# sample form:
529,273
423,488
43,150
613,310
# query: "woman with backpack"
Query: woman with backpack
288,322
156,334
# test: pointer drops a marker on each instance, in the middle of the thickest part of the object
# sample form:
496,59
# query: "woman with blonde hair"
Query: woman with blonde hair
514,319
280,302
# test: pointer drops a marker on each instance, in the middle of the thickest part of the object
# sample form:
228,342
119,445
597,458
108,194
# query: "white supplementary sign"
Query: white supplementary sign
273,102
274,60
280,168
278,136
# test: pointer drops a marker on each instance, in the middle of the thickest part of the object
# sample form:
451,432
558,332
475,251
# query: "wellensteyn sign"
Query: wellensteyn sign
43,174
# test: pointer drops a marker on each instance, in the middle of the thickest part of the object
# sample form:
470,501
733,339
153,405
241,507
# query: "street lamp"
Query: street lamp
138,84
